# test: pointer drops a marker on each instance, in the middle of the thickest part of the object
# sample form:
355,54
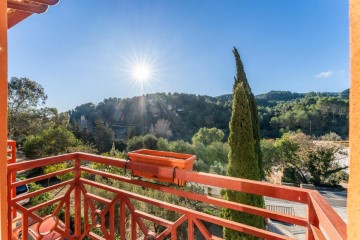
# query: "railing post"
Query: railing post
312,220
9,212
112,221
77,201
173,233
190,229
133,227
12,159
122,219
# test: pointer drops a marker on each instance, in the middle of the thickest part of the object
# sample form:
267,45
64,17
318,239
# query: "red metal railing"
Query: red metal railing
121,208
11,158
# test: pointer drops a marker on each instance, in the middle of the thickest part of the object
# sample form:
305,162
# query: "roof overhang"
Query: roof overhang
18,10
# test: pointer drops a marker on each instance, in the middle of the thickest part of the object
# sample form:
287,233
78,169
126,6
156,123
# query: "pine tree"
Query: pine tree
242,163
241,78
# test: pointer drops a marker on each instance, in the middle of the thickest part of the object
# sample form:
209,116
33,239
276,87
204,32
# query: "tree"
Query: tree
242,163
293,149
270,155
217,157
331,136
103,136
323,165
208,136
24,96
161,129
148,141
51,142
254,115
305,160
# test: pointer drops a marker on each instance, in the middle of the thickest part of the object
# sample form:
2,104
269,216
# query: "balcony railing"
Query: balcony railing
117,214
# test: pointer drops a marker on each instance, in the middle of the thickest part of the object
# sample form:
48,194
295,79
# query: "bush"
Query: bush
50,142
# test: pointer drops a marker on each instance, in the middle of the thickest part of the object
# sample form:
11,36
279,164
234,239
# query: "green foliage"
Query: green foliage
148,141
315,114
208,136
305,160
86,148
242,79
291,175
24,94
210,158
50,142
278,112
40,198
242,163
181,146
103,136
114,153
270,155
58,167
293,149
323,166
25,117
185,113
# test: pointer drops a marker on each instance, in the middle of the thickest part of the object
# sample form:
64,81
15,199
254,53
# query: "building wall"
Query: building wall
354,182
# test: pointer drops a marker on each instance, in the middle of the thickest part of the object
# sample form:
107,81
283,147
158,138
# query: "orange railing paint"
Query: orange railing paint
321,219
163,159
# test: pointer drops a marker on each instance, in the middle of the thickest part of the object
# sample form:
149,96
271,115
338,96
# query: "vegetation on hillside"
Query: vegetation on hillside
178,116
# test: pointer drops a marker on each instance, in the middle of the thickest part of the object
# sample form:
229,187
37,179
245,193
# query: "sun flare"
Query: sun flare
142,72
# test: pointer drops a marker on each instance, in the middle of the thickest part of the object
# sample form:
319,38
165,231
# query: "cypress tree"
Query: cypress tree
241,78
242,163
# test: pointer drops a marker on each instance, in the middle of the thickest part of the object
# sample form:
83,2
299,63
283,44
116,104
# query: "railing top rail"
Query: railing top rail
25,165
244,185
331,222
249,186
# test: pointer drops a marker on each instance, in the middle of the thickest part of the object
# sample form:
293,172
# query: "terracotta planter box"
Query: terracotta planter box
162,159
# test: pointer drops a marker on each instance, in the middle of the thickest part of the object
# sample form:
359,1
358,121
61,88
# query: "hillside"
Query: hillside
313,113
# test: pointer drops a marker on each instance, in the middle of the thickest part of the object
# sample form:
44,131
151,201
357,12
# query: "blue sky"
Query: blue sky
82,51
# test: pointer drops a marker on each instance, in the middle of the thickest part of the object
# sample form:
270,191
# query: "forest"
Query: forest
183,114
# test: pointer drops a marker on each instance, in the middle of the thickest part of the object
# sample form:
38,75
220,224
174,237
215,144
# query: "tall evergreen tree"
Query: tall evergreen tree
241,78
242,163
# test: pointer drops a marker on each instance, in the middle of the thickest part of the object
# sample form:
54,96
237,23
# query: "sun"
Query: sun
141,72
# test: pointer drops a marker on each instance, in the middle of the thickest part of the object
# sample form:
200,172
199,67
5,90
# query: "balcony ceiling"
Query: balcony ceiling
18,10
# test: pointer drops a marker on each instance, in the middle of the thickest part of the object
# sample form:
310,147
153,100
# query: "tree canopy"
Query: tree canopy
305,160
207,136
52,142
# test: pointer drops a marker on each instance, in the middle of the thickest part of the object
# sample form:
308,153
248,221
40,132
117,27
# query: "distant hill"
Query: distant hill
314,113
287,95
